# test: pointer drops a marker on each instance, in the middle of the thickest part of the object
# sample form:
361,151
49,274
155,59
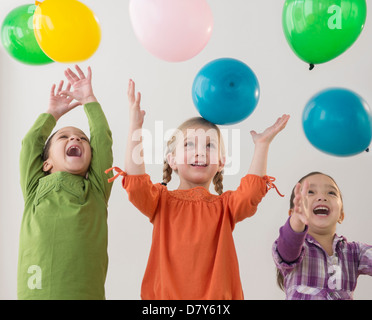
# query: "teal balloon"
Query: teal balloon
338,122
320,30
18,38
225,91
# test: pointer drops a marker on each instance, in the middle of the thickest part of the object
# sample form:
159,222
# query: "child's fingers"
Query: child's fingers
305,189
71,76
282,122
297,201
52,90
60,86
297,191
297,204
80,72
131,89
68,77
68,88
89,75
67,94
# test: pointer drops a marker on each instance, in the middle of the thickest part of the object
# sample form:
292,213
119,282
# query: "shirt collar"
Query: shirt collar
336,239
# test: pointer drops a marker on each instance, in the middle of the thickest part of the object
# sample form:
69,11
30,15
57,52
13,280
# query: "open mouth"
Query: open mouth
74,151
321,211
200,165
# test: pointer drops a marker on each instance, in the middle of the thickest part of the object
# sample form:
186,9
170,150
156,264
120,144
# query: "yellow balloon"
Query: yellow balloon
66,30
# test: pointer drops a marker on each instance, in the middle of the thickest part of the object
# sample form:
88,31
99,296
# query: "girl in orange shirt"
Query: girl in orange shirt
192,254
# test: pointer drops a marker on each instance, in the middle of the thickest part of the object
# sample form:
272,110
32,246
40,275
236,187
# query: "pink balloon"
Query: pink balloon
172,30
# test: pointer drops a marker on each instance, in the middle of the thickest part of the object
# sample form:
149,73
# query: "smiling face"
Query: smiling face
196,157
69,151
324,204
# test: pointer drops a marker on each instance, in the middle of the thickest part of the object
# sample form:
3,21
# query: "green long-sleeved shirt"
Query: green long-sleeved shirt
63,238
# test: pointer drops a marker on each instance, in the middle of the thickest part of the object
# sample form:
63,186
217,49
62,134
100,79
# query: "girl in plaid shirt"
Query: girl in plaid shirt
313,262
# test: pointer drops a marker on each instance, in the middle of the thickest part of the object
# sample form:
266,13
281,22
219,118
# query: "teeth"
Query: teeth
74,151
321,208
321,211
199,164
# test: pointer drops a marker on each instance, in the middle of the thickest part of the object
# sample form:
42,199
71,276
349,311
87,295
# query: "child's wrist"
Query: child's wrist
53,114
89,99
135,128
262,144
296,224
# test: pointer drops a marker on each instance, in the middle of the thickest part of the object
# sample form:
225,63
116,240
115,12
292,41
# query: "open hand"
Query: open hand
136,114
268,135
300,209
82,86
60,104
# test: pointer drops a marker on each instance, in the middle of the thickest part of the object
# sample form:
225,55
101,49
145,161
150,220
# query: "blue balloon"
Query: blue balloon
225,91
338,121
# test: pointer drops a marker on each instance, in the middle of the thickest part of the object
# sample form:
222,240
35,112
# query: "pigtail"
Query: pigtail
167,172
279,279
217,181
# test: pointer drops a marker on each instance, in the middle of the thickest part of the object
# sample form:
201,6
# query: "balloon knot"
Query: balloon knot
311,67
367,150
37,3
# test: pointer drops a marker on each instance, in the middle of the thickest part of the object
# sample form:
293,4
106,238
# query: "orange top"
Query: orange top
192,253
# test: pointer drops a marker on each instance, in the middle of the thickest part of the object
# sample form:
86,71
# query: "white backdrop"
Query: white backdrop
248,30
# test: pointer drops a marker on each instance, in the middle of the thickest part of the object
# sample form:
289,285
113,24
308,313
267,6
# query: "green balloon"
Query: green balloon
320,30
18,38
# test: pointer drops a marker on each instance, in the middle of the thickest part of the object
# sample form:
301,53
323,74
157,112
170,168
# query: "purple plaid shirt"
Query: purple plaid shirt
311,274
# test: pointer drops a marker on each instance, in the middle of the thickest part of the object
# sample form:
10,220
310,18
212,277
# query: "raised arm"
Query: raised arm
100,133
134,164
292,234
262,143
31,161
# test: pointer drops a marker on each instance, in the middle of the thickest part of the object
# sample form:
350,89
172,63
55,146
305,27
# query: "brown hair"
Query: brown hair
279,276
172,142
45,153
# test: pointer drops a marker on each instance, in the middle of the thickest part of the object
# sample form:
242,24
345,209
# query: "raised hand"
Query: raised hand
136,115
300,215
60,104
269,134
81,84
262,143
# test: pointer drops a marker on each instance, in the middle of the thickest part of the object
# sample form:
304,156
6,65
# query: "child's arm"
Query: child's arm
288,250
365,259
141,191
100,134
262,142
244,201
293,233
33,143
134,164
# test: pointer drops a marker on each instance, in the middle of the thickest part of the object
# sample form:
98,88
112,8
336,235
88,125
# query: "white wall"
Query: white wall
249,30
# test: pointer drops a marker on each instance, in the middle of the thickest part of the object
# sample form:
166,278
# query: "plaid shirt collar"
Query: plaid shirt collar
336,240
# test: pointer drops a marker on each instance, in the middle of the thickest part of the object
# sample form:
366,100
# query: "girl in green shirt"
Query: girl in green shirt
63,238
